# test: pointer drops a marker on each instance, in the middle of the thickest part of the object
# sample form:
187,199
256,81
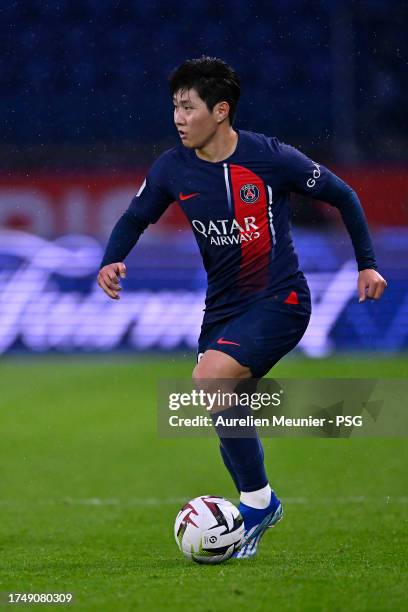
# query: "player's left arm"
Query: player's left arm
302,175
336,192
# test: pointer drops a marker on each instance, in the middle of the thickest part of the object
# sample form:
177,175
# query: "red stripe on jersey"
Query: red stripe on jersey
252,217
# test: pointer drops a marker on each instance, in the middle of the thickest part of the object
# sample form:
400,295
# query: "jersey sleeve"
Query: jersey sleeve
150,202
298,173
154,195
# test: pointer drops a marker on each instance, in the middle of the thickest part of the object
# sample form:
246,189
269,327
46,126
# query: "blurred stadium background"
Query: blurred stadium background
88,491
85,110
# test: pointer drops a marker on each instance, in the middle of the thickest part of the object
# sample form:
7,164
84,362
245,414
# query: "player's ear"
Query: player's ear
221,110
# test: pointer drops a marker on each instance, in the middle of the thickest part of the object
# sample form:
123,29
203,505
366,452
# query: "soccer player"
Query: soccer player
234,188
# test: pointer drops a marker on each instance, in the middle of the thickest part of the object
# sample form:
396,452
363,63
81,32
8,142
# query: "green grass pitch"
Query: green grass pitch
88,497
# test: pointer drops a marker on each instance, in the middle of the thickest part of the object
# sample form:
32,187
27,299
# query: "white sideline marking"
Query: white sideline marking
156,501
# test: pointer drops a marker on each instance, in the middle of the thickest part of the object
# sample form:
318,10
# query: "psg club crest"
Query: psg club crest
249,193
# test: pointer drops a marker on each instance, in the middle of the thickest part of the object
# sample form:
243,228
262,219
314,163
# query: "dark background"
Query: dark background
84,82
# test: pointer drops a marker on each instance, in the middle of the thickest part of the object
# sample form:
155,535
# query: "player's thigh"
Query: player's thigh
215,364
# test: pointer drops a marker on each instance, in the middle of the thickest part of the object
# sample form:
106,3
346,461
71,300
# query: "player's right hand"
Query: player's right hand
109,277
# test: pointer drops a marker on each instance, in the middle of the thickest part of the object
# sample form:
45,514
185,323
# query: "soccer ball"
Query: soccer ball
209,529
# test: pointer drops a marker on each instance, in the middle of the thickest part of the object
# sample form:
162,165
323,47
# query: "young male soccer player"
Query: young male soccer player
234,188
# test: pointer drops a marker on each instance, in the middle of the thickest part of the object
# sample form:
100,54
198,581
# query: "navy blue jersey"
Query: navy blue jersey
239,212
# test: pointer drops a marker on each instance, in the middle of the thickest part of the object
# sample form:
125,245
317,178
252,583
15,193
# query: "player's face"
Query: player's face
195,124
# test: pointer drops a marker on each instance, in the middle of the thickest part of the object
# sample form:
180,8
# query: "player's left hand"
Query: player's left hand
370,285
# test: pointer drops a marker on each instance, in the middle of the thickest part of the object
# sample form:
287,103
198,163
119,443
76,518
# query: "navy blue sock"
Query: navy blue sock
229,466
242,451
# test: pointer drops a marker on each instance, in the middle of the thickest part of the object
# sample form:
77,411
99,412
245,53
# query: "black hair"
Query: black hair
212,78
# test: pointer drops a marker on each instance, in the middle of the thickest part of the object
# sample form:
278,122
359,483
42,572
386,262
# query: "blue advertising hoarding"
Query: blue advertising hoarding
51,301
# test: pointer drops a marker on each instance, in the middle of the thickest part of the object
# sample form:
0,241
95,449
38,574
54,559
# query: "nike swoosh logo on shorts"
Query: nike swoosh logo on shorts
222,341
187,196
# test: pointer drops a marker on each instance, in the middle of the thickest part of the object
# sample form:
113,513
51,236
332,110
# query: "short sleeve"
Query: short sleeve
154,195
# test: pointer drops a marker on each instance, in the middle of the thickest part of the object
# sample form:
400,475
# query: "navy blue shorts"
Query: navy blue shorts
261,335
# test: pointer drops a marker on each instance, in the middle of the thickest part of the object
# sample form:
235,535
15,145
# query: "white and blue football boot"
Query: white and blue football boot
256,523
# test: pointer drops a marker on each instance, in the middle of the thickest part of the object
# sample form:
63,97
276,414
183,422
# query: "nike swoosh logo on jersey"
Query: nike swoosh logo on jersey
222,341
187,196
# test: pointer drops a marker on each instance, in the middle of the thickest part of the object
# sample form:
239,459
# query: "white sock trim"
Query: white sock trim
257,499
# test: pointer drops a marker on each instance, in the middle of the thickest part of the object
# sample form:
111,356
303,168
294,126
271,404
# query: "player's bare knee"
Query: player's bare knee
203,370
204,378
214,374
207,378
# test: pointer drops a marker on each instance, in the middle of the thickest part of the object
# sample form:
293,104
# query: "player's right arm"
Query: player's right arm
146,207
